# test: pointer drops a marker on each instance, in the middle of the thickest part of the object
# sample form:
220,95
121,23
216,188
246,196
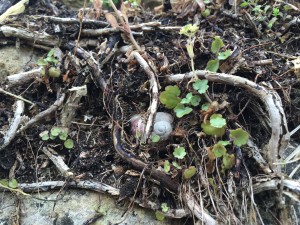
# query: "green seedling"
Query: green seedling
200,86
49,64
58,132
194,100
155,138
213,131
179,152
159,216
176,165
228,161
189,172
239,137
216,45
182,110
190,30
164,207
217,121
170,97
167,166
219,150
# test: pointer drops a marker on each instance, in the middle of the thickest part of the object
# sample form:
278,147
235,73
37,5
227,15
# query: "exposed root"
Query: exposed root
279,131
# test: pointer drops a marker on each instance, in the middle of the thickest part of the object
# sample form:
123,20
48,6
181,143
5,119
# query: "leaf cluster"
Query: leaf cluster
58,132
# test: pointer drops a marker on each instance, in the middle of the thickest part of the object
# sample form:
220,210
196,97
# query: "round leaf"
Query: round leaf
219,150
239,137
217,121
200,86
210,130
155,138
159,216
169,97
44,135
55,131
69,144
189,173
181,110
12,183
179,152
212,65
228,161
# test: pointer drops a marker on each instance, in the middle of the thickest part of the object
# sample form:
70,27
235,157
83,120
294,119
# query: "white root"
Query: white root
11,133
279,132
154,99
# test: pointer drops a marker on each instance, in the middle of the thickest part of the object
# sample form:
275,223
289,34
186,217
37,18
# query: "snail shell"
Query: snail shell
162,125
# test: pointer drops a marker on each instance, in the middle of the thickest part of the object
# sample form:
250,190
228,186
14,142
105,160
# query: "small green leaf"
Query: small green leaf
189,172
155,138
216,44
244,4
175,164
224,55
52,137
13,183
189,30
169,97
42,62
205,106
239,137
217,121
164,207
44,135
181,110
200,86
179,152
54,72
69,144
212,65
206,13
4,182
219,150
64,134
55,131
228,161
159,216
210,130
167,166
51,52
195,101
224,143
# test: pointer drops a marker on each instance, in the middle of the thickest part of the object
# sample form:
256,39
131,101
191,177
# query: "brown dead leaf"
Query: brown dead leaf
111,19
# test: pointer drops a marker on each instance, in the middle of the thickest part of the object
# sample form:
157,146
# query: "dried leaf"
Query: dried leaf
111,19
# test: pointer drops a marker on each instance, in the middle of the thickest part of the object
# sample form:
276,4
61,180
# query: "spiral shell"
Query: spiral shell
162,125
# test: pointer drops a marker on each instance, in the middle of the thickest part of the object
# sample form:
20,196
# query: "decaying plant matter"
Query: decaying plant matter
112,78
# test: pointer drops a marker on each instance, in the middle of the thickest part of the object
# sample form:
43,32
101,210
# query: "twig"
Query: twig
43,114
29,35
11,133
58,162
16,96
200,213
50,185
24,77
279,131
154,101
160,176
